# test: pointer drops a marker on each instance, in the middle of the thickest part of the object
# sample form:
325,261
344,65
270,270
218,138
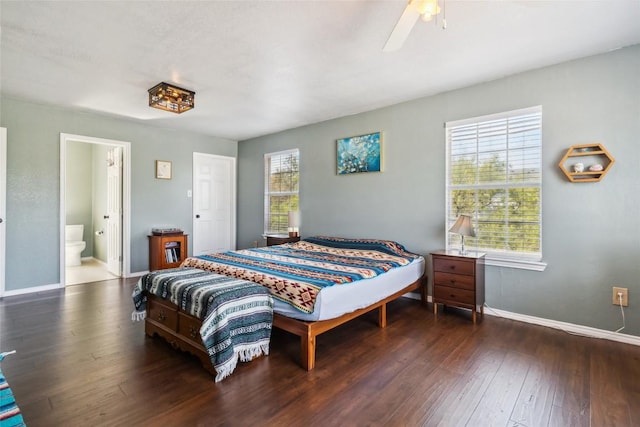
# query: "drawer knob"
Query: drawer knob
161,316
193,332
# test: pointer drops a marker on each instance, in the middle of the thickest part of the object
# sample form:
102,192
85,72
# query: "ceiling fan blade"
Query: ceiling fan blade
402,29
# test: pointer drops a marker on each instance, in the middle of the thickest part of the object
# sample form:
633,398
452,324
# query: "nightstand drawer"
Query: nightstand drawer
454,266
456,295
163,314
453,280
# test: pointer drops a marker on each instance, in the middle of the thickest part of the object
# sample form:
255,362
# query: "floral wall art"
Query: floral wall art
362,153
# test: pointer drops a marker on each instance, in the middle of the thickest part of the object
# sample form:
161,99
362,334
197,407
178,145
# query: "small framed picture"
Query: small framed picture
163,169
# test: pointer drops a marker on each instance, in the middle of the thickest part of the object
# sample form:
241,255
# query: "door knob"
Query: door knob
106,217
197,216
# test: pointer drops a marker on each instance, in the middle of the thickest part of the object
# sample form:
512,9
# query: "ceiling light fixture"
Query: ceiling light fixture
165,96
426,9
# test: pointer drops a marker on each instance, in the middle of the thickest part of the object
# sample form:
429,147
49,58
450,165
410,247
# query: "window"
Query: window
281,173
494,175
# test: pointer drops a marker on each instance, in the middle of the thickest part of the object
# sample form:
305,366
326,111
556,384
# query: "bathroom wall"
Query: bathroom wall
79,190
99,200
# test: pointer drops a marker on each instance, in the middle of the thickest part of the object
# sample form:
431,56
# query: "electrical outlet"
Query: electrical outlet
625,296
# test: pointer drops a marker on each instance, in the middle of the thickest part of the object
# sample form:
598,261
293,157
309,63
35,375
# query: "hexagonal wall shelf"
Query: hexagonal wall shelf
590,156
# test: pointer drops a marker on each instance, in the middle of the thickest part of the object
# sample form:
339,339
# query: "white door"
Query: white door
3,206
114,210
214,199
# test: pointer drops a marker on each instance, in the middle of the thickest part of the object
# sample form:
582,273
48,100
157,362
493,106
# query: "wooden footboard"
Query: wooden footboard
182,330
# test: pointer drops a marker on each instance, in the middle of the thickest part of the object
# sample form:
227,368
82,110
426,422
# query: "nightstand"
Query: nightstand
458,280
167,251
279,239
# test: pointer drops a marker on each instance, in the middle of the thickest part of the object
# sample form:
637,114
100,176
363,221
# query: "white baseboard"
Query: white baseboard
138,274
91,258
35,289
32,290
569,328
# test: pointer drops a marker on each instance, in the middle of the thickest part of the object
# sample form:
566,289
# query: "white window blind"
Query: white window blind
281,177
494,174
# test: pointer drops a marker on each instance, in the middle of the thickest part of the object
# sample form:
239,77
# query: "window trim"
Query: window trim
267,194
497,258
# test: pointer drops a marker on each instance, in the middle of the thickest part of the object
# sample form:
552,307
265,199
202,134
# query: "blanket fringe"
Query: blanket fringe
244,355
248,354
137,316
6,353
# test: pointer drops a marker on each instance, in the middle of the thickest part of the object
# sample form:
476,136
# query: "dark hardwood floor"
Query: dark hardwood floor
81,361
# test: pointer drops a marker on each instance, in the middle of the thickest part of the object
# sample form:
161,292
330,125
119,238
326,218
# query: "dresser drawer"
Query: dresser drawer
163,313
446,294
454,280
190,328
454,266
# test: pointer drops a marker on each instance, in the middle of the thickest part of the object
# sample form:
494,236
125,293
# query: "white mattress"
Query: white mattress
334,301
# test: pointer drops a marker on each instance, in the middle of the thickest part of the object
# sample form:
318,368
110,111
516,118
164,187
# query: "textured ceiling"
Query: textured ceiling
259,67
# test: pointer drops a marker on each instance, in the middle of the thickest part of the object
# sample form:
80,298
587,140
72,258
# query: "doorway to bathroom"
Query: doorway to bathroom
94,215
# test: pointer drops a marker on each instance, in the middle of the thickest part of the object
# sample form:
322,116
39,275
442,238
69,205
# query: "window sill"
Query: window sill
521,264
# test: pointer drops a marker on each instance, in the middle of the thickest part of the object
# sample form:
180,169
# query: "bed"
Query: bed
317,284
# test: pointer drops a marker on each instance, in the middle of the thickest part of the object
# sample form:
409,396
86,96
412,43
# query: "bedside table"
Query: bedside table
458,280
279,239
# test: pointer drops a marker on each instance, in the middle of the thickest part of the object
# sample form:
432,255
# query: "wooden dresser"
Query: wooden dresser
458,280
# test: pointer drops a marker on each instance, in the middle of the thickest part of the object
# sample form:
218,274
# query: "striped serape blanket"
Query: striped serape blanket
296,272
237,315
10,415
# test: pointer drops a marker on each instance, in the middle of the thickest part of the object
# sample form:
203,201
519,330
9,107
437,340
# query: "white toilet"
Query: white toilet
73,245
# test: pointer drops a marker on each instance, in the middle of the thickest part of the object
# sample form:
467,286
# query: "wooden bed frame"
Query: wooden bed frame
182,330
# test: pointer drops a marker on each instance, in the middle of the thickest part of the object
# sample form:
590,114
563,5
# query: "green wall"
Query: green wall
33,183
591,238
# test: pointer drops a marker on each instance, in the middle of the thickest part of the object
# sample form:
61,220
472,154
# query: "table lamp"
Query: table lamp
294,223
463,227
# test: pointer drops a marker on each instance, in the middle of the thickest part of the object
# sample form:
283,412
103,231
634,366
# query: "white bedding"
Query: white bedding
334,301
